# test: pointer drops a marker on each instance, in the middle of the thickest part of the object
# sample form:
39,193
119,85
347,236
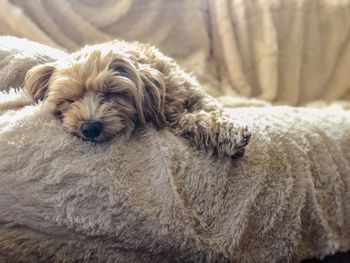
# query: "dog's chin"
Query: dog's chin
99,139
90,140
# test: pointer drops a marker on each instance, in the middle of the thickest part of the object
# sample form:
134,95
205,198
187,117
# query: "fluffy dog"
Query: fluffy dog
111,88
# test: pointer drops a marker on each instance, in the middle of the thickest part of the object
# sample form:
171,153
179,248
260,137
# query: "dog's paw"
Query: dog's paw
232,140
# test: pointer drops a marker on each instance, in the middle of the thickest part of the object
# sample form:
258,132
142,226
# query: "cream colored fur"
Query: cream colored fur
122,86
153,198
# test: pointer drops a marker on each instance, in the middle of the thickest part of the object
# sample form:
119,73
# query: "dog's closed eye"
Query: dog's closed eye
58,113
64,104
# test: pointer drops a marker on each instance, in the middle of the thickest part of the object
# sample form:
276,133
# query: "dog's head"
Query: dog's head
102,90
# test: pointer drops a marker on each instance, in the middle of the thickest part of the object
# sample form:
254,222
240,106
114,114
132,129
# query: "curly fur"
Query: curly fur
123,85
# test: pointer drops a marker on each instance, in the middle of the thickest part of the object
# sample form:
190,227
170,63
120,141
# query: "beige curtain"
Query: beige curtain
284,51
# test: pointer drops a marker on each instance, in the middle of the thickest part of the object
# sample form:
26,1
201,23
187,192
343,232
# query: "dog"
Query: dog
112,88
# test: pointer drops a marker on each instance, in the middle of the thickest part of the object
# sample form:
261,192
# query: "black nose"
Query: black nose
91,129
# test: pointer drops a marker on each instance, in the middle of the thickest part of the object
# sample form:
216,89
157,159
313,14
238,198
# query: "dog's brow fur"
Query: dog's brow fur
124,84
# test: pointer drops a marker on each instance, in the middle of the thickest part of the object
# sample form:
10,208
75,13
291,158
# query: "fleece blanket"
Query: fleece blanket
282,51
153,198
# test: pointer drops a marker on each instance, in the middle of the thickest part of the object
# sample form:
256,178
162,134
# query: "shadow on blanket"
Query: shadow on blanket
337,258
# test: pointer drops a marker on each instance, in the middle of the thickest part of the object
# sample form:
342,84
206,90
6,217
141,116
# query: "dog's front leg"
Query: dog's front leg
212,130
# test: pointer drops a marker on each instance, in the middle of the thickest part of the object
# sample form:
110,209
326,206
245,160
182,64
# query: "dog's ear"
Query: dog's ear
37,79
153,98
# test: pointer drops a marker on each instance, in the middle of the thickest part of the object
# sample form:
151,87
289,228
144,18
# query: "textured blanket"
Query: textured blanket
155,199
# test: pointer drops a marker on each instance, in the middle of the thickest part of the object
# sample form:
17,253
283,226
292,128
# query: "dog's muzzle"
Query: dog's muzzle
91,129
